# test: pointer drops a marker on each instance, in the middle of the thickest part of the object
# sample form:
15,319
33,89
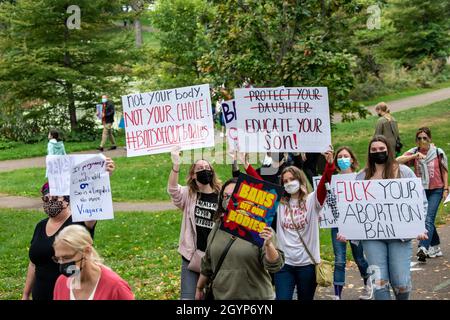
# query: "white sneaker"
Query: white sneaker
367,293
437,251
431,252
336,298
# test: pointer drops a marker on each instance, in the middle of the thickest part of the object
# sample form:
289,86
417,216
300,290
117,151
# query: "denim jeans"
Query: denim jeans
289,277
340,258
434,198
188,281
389,265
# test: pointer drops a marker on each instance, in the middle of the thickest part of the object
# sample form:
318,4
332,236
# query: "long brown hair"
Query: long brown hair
391,165
220,210
355,163
301,177
192,185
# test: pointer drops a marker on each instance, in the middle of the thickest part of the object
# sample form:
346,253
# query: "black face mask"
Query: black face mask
204,176
379,157
70,268
53,208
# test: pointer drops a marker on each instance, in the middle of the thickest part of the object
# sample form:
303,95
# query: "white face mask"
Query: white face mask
292,187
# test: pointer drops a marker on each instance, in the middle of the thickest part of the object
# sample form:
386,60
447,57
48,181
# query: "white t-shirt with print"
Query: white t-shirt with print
306,216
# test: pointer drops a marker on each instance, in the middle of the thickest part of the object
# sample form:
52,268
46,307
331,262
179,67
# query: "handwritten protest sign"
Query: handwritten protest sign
229,116
327,218
90,190
380,209
156,121
59,170
283,119
252,207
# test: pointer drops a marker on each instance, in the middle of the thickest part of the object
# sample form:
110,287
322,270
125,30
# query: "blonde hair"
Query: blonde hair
215,184
301,177
78,238
382,106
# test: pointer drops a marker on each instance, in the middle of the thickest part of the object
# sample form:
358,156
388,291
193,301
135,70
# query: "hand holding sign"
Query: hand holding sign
267,235
175,155
110,166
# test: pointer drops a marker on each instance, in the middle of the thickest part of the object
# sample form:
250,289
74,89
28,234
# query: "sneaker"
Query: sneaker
336,298
367,293
431,252
437,251
100,149
113,148
422,254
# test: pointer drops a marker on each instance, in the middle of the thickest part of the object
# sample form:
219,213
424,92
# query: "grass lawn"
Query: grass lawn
145,178
140,247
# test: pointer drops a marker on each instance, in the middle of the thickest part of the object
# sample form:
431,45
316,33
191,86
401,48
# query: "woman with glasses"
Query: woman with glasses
430,164
83,275
42,270
198,201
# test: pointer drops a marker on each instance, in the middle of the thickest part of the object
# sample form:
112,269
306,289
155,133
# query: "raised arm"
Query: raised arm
326,177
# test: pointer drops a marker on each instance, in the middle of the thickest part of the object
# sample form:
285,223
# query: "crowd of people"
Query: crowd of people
216,265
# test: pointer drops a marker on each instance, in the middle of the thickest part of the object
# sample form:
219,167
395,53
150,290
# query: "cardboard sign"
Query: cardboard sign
229,116
380,209
283,119
90,190
327,219
59,169
157,121
252,207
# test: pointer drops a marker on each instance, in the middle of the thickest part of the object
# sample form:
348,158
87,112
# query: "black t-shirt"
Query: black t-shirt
205,208
41,253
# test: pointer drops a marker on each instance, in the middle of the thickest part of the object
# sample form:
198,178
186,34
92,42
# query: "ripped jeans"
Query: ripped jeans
389,263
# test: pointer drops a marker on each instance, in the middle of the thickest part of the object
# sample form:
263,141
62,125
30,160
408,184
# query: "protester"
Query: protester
389,260
198,201
55,145
431,165
107,118
298,216
42,270
387,126
346,163
244,273
83,275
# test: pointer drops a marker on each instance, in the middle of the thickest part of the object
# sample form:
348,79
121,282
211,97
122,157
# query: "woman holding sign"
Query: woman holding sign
199,201
389,259
346,162
298,232
430,164
42,270
244,271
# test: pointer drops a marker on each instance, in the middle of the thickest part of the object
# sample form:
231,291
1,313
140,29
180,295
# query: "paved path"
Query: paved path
431,281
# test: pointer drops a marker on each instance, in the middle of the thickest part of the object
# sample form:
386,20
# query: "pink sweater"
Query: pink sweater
110,287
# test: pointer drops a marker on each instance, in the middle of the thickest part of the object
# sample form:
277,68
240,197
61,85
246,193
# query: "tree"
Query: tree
181,30
279,43
421,30
44,60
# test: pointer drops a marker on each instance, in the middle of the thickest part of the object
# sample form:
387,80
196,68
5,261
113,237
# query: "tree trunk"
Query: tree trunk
72,108
138,32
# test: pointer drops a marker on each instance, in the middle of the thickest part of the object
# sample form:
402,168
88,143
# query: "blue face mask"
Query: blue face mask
104,100
344,163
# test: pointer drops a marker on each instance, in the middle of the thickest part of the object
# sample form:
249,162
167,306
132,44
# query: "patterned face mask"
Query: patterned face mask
53,207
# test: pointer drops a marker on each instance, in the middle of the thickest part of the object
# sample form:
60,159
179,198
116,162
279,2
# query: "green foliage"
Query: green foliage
421,31
44,65
277,43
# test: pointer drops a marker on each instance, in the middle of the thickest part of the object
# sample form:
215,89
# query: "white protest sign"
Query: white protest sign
229,117
157,121
90,190
283,119
327,219
380,209
58,172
